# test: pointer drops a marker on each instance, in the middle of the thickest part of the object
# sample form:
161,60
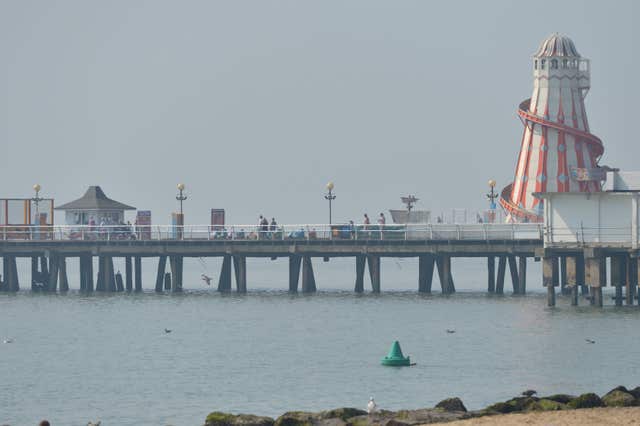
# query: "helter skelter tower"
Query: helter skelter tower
558,153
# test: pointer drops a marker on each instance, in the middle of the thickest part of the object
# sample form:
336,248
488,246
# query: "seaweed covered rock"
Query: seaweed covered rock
297,418
452,404
344,413
513,405
635,392
619,398
218,418
561,398
586,400
545,404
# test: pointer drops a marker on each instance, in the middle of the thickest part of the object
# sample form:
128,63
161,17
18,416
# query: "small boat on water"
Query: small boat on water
408,214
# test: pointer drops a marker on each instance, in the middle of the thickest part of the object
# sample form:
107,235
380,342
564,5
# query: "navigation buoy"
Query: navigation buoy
395,357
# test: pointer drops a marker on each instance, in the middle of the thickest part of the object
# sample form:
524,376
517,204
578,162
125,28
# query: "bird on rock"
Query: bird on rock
371,406
529,392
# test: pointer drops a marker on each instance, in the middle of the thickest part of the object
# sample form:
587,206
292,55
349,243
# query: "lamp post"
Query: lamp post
181,197
330,197
36,200
492,200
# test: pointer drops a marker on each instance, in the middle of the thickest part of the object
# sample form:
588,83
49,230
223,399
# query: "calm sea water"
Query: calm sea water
77,358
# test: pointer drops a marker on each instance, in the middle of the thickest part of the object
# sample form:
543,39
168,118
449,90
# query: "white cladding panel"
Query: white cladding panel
605,217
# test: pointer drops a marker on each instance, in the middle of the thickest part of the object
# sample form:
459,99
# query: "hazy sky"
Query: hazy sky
255,105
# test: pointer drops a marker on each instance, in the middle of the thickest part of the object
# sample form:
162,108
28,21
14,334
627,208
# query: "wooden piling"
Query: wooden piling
513,270
224,283
522,275
308,279
491,274
53,272
167,281
361,263
176,273
89,265
162,264
549,278
110,275
374,272
240,269
564,286
618,271
100,286
632,280
426,264
62,274
502,269
128,267
35,274
571,276
119,282
138,273
294,272
596,278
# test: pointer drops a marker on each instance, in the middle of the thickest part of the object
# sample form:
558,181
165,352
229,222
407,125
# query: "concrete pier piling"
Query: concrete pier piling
240,269
502,269
62,274
522,275
632,280
550,278
138,273
167,281
426,265
374,272
513,270
571,276
162,264
175,264
361,264
618,275
294,272
224,283
128,269
308,279
491,274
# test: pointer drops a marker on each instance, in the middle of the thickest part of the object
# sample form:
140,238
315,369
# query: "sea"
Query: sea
75,358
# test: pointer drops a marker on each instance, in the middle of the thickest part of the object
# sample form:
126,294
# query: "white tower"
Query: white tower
558,153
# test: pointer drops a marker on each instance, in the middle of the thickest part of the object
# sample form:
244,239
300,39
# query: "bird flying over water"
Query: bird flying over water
206,279
450,331
371,406
9,340
589,341
166,330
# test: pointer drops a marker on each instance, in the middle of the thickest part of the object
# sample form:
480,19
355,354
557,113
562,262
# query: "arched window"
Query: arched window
542,61
554,64
535,64
565,63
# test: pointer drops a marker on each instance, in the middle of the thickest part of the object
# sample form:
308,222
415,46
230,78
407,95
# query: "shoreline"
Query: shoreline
618,406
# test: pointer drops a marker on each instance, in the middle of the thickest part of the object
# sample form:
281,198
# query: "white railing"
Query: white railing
589,235
525,231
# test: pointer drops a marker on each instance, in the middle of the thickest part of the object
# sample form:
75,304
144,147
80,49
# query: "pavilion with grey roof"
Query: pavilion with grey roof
94,208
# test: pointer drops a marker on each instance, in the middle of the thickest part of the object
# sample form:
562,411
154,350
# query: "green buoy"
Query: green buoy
395,357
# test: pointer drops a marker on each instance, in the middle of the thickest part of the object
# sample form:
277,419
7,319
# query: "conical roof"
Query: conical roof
94,199
557,45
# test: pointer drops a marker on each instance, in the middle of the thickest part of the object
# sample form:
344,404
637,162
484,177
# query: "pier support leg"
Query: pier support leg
596,278
240,269
5,274
502,269
10,274
522,275
100,279
618,271
426,265
564,287
513,269
128,269
138,273
89,261
374,272
570,265
632,280
35,274
53,272
294,272
491,274
308,280
443,264
119,282
175,263
361,263
83,272
167,281
62,274
111,277
224,283
549,278
162,264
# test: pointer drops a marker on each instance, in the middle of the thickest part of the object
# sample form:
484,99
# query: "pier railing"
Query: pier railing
308,232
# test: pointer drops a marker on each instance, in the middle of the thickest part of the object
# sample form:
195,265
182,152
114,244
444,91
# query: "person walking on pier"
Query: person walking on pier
382,221
366,223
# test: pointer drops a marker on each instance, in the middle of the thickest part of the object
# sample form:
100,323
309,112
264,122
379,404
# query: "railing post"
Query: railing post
458,231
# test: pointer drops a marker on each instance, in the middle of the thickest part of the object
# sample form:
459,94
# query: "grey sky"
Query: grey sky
255,105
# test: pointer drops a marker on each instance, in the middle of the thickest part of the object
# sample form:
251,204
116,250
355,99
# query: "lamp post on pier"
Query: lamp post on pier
36,200
181,196
330,196
492,201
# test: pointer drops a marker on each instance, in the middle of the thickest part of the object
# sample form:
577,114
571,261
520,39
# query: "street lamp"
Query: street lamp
181,197
492,200
330,196
36,200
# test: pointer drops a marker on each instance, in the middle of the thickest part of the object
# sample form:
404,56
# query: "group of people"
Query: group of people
266,229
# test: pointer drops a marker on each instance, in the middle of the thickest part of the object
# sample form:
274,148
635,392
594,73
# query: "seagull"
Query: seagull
590,341
529,392
9,340
371,406
166,330
206,279
450,331
94,424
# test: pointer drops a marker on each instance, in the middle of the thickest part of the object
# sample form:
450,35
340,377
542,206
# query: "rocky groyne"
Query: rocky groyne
445,411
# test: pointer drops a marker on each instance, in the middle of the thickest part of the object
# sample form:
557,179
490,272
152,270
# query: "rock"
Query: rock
545,404
394,422
297,418
586,400
451,404
513,405
218,418
342,413
561,398
635,392
619,398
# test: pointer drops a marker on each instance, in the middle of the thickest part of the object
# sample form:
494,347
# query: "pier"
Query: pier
504,246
